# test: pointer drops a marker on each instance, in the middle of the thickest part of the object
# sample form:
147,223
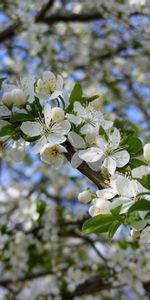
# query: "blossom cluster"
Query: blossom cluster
39,111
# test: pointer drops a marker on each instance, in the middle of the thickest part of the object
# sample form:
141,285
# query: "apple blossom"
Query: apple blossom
49,86
108,151
52,155
49,132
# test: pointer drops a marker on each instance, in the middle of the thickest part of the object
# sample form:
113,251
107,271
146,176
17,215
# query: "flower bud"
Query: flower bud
7,99
147,152
16,97
19,97
134,233
84,197
57,114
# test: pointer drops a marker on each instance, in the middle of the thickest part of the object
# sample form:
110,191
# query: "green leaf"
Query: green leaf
89,99
145,181
40,208
7,130
134,163
103,132
75,95
36,107
134,146
20,117
113,228
98,224
1,81
141,205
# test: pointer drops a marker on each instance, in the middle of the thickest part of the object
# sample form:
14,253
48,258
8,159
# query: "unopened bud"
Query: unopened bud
84,197
57,114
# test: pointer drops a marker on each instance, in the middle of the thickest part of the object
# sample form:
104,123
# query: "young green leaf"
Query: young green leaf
75,95
98,224
113,228
141,205
1,81
20,117
145,181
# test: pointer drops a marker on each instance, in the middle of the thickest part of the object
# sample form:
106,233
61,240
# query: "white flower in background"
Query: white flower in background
145,235
49,86
127,191
52,155
88,115
84,197
15,97
147,152
108,151
49,132
18,150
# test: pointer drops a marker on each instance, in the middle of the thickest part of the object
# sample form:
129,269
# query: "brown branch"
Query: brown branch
91,285
56,18
46,7
95,177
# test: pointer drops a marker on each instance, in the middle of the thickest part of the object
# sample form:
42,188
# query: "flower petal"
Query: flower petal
39,145
121,158
61,127
107,193
59,83
91,154
47,111
73,119
32,128
115,138
76,140
76,160
55,139
110,164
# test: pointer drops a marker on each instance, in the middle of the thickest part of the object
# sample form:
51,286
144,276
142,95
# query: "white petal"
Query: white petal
59,83
59,162
47,75
55,139
4,111
32,128
115,138
81,111
39,145
107,193
121,158
124,186
61,127
91,154
47,111
110,164
73,119
76,160
54,95
101,143
145,236
127,203
141,171
96,166
62,149
76,140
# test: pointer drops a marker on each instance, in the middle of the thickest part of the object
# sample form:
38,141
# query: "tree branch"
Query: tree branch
95,177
